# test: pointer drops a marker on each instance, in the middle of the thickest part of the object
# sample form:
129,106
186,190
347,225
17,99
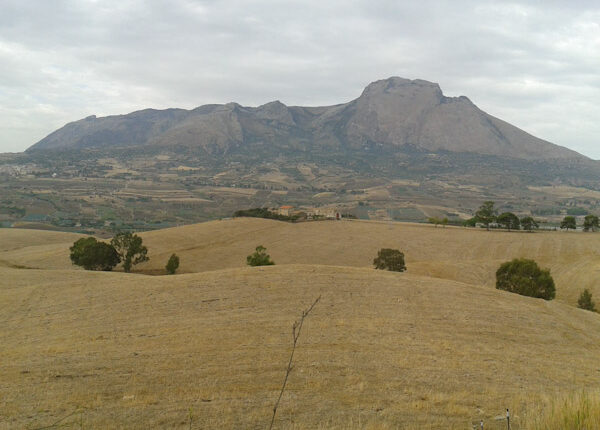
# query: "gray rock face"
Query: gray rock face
390,113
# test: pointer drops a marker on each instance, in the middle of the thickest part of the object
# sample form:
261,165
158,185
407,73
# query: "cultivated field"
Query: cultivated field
434,347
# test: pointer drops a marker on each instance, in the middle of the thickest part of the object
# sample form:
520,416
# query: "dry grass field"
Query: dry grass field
434,347
466,255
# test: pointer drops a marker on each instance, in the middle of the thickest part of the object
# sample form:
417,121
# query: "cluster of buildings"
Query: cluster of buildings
311,212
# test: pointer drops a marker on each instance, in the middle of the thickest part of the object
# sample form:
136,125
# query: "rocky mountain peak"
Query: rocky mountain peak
391,113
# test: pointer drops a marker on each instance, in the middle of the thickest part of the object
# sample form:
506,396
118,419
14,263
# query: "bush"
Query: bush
523,276
390,259
259,257
93,255
172,264
585,301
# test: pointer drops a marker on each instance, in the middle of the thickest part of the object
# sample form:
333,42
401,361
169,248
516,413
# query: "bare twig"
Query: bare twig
296,329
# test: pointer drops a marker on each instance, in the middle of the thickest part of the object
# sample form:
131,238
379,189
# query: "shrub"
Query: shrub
523,276
93,255
390,259
585,301
130,249
259,257
172,264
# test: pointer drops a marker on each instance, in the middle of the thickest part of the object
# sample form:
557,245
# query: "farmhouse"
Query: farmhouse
285,210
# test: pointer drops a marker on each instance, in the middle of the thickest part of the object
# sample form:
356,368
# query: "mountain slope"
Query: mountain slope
393,114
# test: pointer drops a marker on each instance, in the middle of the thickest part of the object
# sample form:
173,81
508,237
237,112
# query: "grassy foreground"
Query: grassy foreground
574,412
381,350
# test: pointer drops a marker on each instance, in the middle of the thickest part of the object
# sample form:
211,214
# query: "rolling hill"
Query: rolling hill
465,255
434,347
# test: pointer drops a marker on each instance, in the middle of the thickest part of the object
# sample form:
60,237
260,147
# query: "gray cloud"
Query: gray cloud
534,64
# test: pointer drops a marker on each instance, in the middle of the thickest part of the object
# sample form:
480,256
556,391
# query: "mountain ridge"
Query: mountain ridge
393,113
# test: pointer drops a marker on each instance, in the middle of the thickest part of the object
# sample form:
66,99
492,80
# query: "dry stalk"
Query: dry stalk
296,334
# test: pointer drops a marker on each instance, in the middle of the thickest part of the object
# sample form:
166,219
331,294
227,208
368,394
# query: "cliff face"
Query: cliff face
391,113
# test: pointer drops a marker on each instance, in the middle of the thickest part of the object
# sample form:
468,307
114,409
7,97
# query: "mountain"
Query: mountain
393,114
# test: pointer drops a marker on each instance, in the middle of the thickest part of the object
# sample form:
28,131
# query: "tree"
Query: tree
528,223
523,276
509,220
585,301
172,264
590,223
568,222
93,255
486,213
259,257
434,220
390,259
78,250
130,249
471,222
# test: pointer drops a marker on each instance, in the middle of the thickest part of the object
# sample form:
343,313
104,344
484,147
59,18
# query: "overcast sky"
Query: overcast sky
535,64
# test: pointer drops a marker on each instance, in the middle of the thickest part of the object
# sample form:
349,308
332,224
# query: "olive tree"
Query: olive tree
94,255
528,223
523,276
568,222
509,220
390,259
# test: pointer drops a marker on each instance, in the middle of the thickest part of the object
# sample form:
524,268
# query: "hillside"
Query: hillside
466,255
394,114
434,347
380,350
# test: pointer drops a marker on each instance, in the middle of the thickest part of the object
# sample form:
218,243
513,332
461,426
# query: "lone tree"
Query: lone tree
568,222
172,264
528,223
590,223
509,220
585,301
93,255
486,213
390,259
259,257
130,249
523,276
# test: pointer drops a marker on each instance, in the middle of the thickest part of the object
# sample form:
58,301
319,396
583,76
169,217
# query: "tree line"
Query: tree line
488,214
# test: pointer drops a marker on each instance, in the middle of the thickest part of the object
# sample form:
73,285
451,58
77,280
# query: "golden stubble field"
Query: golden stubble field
434,347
